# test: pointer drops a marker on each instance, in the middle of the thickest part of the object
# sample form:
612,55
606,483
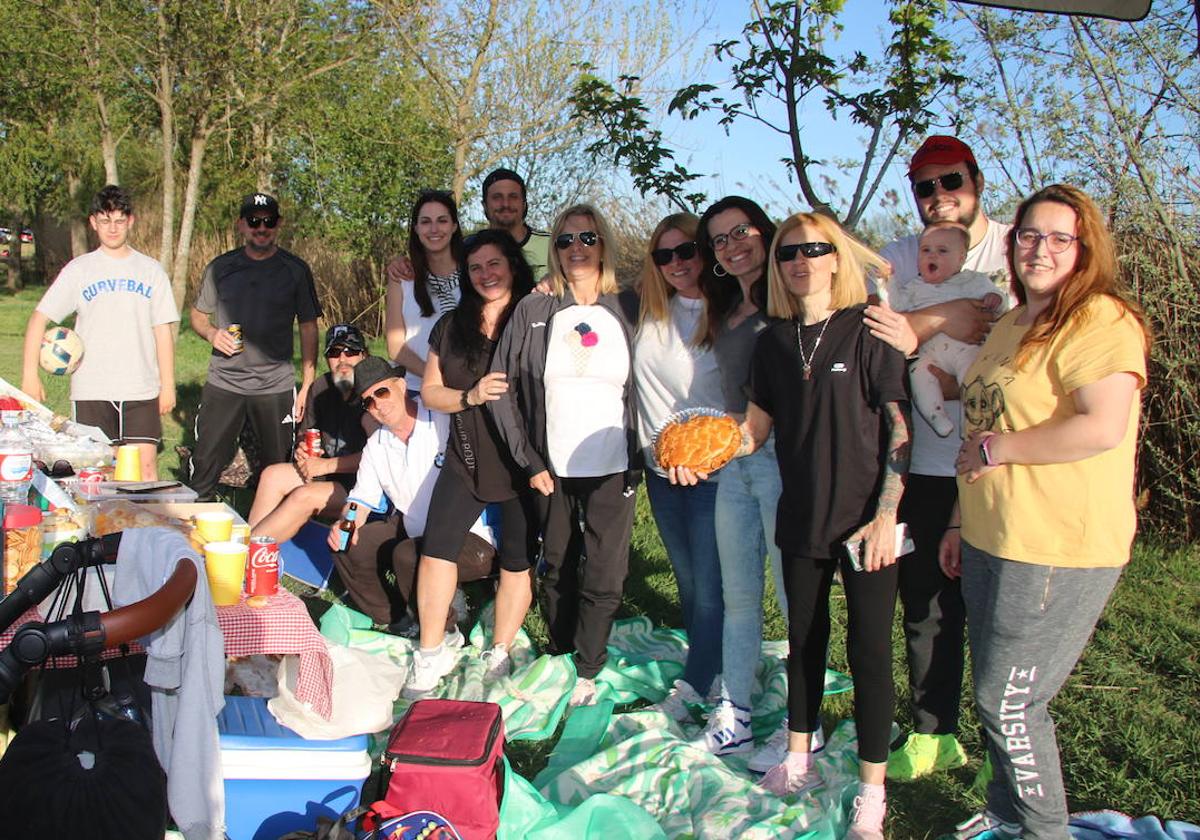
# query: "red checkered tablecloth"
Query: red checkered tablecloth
282,626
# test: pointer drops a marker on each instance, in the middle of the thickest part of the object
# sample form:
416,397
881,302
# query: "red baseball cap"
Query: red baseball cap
943,150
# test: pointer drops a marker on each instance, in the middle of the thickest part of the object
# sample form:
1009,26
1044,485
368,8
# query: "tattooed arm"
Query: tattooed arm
879,535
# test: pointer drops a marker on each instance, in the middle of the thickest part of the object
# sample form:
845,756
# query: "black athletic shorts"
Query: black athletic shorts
453,509
127,421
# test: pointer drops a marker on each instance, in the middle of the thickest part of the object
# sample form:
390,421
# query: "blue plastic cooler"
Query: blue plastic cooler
277,781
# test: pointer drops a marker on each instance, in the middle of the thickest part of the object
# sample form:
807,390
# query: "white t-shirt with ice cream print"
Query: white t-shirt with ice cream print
587,366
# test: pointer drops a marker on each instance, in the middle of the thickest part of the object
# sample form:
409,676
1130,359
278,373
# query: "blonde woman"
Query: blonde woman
568,418
836,399
673,371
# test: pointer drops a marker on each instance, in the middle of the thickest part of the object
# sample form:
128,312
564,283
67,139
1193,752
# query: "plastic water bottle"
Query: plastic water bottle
16,460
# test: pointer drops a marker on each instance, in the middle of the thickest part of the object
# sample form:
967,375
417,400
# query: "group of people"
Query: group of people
513,420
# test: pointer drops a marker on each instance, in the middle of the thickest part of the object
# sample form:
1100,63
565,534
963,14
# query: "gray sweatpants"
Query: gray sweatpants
1027,625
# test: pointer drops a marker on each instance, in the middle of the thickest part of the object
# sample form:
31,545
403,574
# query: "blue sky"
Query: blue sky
747,160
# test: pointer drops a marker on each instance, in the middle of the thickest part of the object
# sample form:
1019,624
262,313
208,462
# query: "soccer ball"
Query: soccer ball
62,351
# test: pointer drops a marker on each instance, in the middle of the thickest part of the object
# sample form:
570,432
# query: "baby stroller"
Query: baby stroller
94,774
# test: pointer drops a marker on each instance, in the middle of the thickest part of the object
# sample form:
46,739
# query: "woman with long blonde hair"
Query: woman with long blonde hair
674,371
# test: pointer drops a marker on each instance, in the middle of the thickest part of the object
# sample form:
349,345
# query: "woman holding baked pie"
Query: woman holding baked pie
568,419
673,373
835,398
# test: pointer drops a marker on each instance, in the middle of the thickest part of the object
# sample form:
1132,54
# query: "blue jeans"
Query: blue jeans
747,498
686,523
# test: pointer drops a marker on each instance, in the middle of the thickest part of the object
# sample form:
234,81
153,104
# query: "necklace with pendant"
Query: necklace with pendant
807,362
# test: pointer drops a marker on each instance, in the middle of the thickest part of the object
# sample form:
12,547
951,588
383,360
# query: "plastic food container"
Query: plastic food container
63,526
277,781
22,543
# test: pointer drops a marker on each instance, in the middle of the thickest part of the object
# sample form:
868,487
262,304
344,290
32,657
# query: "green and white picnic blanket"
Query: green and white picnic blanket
635,774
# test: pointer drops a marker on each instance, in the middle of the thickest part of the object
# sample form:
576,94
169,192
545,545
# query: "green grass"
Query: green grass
1128,718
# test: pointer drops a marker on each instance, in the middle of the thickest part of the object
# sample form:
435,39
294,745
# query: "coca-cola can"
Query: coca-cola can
262,567
90,475
312,443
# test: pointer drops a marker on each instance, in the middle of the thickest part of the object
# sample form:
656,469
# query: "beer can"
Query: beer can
312,443
235,330
90,475
262,567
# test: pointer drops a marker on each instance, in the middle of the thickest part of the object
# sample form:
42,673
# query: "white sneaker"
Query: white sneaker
985,826
785,779
496,663
454,639
584,693
774,749
428,669
714,692
728,730
675,704
866,817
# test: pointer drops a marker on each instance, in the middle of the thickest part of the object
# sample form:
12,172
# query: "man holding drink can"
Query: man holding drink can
327,454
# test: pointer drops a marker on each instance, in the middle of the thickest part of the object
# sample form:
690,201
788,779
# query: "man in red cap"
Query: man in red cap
947,185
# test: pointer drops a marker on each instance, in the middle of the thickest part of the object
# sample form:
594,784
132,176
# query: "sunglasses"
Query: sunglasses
739,233
811,250
588,237
256,222
663,256
1056,242
950,182
368,403
338,352
59,469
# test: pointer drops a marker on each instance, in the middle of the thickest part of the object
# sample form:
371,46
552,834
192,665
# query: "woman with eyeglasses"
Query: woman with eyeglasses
673,372
568,418
733,236
479,470
1045,517
411,309
835,398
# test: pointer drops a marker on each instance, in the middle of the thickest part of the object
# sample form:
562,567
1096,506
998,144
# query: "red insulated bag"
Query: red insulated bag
445,756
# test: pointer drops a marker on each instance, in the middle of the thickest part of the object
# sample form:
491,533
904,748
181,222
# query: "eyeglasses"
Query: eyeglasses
111,221
588,237
338,352
739,233
950,182
812,250
663,256
1056,241
256,222
368,403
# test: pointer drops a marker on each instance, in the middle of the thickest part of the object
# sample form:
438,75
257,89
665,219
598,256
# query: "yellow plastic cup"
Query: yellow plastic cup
214,526
225,565
240,532
129,464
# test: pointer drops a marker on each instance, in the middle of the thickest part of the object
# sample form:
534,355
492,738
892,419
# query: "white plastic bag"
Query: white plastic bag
365,686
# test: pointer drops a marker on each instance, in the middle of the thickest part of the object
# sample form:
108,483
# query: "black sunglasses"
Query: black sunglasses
59,469
588,237
256,222
663,256
812,250
338,352
380,394
950,182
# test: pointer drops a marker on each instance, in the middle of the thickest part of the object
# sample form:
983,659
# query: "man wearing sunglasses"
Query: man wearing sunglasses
947,186
264,290
289,495
396,476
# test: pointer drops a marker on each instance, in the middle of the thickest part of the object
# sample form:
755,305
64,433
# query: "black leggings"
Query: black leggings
453,509
870,604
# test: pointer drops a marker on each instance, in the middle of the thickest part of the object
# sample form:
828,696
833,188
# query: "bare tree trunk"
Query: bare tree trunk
191,197
166,110
108,142
12,263
79,241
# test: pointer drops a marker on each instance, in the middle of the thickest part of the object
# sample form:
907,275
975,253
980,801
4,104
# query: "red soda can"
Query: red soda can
262,568
90,475
312,443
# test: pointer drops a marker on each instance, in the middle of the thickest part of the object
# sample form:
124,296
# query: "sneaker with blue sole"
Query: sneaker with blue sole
984,826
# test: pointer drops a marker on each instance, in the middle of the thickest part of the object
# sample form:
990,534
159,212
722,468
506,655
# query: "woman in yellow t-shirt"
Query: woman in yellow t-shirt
1046,494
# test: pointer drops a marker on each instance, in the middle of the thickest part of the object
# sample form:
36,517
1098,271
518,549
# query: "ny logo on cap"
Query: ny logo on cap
261,200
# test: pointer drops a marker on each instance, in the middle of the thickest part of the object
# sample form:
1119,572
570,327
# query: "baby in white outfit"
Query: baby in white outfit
942,252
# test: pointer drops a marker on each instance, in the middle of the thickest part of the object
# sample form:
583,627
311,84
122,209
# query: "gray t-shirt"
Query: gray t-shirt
734,349
266,297
118,303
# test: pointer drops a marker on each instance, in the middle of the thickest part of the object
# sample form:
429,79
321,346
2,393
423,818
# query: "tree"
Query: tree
497,75
783,59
